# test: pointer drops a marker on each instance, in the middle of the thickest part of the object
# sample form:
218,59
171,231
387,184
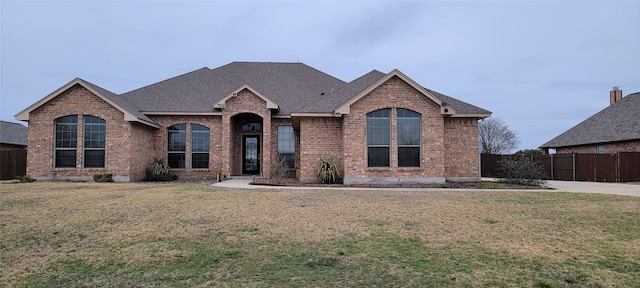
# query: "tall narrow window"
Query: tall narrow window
66,141
176,145
94,141
408,138
286,146
378,138
199,146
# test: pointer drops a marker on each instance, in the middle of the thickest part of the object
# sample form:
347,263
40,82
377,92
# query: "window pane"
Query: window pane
408,156
378,156
378,138
177,137
408,131
94,141
176,160
94,132
67,132
199,138
65,158
286,140
94,158
378,127
200,160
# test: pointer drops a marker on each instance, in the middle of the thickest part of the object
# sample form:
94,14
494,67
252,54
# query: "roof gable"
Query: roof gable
444,108
292,85
221,103
620,121
130,113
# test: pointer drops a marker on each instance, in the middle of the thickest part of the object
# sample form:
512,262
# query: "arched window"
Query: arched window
378,138
199,146
408,138
95,136
66,141
176,145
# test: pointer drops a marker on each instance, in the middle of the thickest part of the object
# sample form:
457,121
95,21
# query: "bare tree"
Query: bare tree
495,137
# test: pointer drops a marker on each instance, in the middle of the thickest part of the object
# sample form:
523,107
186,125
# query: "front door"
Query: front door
251,155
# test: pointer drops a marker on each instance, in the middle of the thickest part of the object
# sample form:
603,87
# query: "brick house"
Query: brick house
615,128
240,118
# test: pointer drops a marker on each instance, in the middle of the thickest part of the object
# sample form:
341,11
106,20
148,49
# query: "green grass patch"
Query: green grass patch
381,260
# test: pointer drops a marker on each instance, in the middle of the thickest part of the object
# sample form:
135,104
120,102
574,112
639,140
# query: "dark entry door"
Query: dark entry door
251,155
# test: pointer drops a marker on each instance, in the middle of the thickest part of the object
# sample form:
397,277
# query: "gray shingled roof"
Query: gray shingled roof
295,87
460,106
332,100
120,101
191,92
292,86
618,122
13,133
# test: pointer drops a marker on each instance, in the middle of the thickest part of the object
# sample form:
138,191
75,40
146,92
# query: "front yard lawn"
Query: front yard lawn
195,235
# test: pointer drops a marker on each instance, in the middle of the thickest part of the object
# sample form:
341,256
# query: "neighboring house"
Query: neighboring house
12,136
240,118
614,129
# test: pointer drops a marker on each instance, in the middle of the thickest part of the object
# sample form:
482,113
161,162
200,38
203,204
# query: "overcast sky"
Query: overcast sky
542,67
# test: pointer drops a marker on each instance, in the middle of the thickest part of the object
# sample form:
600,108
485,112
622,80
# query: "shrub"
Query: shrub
104,177
160,167
520,170
26,179
278,170
327,170
159,171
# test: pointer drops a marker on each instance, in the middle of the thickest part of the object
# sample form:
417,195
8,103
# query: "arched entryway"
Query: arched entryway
247,143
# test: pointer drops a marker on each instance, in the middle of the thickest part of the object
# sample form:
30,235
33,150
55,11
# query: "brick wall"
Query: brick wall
447,146
319,137
142,149
627,146
158,147
394,93
246,102
79,101
461,156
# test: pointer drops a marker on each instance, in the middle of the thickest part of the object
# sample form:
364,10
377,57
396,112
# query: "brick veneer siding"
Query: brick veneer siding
461,154
159,149
79,101
394,94
142,149
319,137
612,147
249,103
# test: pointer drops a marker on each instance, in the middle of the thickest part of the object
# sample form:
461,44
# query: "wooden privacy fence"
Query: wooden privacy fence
618,167
12,163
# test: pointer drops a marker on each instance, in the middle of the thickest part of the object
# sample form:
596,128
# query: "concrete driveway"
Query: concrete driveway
560,186
596,187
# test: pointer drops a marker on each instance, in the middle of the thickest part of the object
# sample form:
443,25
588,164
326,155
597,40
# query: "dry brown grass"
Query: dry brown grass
44,223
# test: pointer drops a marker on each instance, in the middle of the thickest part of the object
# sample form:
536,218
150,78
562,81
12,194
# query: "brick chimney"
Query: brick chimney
615,95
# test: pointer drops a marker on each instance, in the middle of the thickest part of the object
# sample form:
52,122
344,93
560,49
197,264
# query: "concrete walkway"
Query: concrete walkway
596,187
565,186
